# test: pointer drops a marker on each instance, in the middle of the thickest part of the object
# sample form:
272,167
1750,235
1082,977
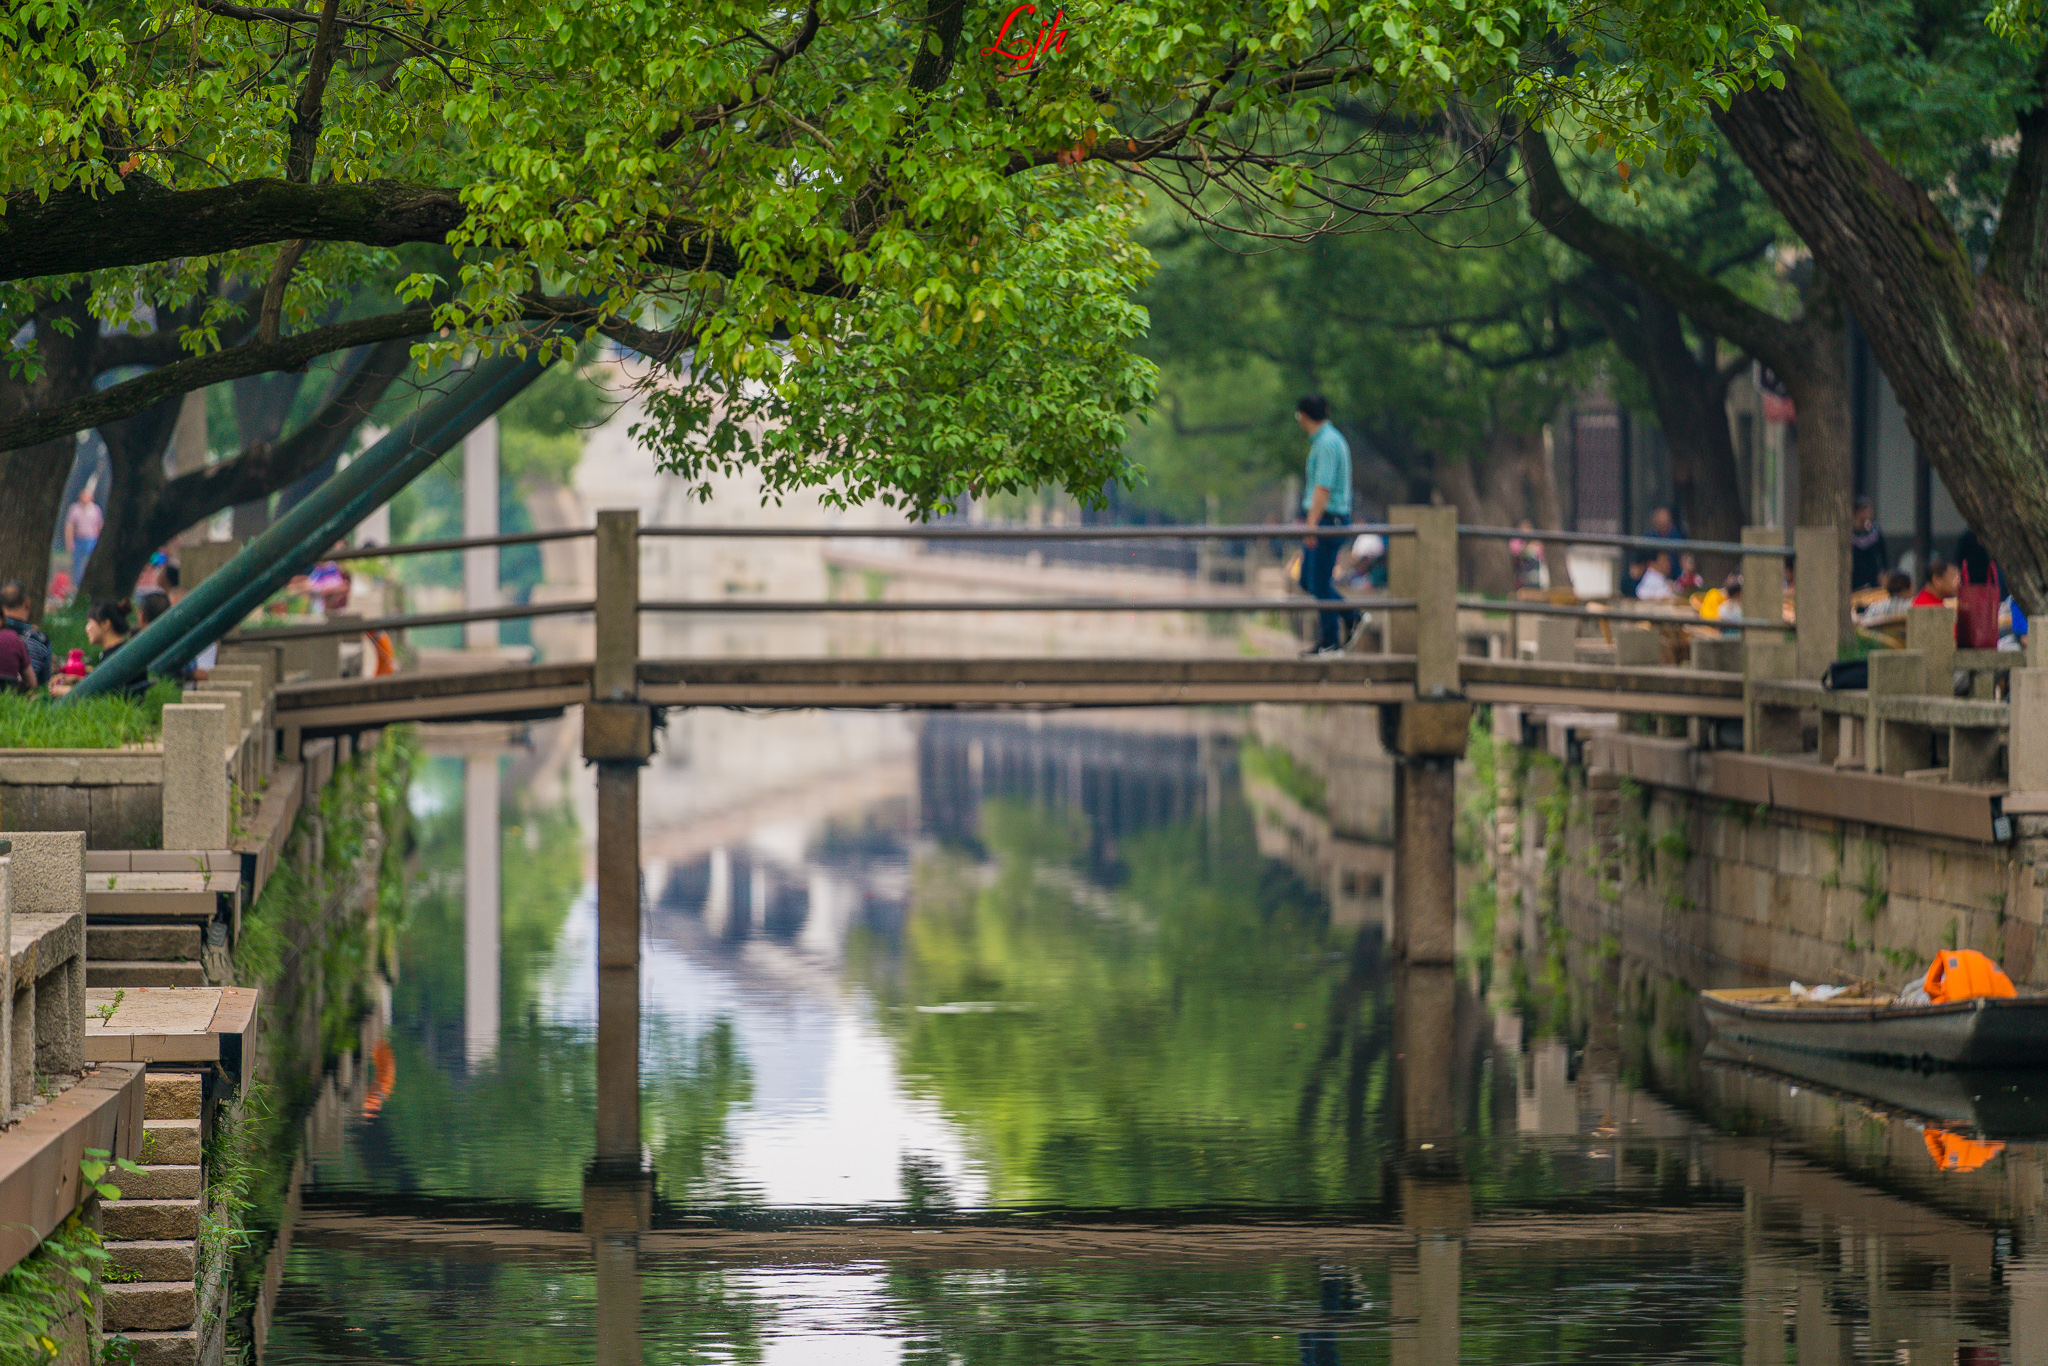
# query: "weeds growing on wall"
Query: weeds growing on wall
35,722
57,1279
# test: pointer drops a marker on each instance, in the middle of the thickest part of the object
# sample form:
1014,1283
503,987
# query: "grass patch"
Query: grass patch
31,722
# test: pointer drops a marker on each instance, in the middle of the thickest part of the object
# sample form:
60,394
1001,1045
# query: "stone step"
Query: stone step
150,1306
146,972
140,942
149,1220
170,1142
173,1095
155,1259
163,1349
166,1181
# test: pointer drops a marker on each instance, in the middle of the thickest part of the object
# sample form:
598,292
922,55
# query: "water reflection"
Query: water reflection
987,1039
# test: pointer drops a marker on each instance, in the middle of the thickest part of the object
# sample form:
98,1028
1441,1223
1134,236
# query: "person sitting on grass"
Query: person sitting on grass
106,627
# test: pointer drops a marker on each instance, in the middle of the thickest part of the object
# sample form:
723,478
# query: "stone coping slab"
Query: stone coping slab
169,1024
162,861
39,1157
81,767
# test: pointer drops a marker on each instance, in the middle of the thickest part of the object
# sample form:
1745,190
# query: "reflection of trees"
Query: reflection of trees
346,1306
1158,1036
521,1127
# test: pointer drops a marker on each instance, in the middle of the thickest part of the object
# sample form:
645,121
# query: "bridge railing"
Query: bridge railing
1401,536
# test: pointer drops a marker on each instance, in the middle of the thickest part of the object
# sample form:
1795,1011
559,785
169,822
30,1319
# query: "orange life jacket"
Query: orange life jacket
1954,1153
1964,975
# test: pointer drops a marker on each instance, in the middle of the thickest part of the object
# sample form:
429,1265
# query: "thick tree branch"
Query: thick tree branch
132,396
72,233
266,467
1712,304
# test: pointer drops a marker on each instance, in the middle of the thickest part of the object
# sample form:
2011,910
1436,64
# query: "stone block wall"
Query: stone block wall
1750,894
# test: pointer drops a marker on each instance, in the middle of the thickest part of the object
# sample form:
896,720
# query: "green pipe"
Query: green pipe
171,642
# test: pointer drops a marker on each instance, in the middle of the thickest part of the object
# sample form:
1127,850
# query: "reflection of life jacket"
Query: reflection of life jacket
387,658
1964,975
1954,1153
386,1064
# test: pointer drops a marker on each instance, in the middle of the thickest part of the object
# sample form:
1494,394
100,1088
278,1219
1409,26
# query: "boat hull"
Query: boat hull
2007,1032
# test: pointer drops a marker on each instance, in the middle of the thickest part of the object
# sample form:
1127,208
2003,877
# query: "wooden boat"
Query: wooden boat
1990,1031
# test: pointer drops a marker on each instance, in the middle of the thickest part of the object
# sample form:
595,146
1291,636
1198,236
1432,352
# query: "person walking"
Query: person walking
14,605
1325,501
83,522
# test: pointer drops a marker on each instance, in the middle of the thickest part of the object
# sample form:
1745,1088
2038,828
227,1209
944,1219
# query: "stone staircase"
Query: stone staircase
147,912
152,1232
143,955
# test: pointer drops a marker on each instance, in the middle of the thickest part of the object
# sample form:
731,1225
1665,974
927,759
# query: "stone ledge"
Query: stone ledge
39,1157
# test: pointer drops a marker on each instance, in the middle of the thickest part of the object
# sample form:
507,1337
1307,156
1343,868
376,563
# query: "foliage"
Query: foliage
1278,766
30,721
58,1278
913,260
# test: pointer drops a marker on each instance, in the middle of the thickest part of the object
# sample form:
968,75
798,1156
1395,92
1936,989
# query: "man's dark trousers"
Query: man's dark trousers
1318,562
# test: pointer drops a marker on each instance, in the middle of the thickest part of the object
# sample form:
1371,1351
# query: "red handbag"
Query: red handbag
1977,612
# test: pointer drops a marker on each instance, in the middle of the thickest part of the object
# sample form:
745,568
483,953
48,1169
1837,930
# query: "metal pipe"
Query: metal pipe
296,540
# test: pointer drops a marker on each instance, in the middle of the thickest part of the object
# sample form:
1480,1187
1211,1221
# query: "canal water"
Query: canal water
988,1039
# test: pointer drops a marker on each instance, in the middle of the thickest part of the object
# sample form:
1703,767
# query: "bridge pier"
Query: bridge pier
618,738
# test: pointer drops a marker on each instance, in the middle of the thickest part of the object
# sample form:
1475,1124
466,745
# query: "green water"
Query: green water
1026,1054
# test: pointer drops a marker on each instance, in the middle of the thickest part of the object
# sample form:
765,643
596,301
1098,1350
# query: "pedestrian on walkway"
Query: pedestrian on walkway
1325,501
83,522
1870,561
14,605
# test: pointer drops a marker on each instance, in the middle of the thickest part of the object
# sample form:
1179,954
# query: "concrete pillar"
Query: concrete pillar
1425,1008
1640,647
1763,576
195,740
618,962
482,904
617,737
2027,746
480,518
1425,868
1398,638
1820,570
1932,632
2026,1280
617,1209
1554,640
1428,564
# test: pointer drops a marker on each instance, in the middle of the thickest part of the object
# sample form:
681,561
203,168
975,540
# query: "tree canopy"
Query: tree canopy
867,248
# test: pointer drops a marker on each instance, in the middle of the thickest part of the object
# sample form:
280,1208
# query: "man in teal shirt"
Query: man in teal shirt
1325,501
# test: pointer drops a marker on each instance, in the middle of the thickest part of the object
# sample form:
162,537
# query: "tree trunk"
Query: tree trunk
34,479
1966,353
1494,494
136,447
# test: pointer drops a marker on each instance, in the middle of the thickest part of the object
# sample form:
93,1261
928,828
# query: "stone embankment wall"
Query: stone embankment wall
1735,892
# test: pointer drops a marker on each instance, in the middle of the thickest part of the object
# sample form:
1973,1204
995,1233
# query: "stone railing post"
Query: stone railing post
1763,578
1819,573
1436,596
1931,633
1402,581
2027,739
195,740
1767,659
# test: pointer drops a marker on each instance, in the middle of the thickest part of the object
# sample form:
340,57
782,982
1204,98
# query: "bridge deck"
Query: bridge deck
533,691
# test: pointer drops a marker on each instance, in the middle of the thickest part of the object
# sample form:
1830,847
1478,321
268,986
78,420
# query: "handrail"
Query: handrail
1516,607
1235,532
378,552
314,630
1507,533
